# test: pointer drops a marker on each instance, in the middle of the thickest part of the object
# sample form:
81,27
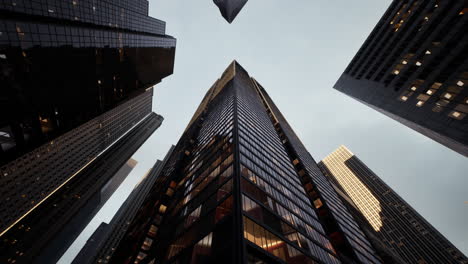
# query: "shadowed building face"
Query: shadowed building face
412,68
230,8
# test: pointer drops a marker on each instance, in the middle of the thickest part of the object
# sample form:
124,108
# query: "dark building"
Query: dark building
413,68
75,104
239,187
43,235
387,216
101,245
230,8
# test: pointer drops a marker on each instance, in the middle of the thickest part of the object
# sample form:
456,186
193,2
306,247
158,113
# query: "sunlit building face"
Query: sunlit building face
387,217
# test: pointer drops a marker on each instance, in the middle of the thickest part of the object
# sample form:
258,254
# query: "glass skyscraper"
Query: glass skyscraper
413,68
389,218
75,103
239,187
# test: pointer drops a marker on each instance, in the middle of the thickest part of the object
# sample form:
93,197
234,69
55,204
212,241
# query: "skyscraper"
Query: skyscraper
44,234
413,69
392,220
101,245
76,80
230,8
239,187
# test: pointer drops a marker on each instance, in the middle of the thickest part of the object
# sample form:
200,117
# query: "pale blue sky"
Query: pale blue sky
297,49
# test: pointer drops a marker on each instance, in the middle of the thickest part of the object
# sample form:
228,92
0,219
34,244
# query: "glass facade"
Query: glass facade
412,68
44,234
393,221
231,191
76,77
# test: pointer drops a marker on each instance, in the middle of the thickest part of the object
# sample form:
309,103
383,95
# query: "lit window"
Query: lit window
3,56
420,103
162,209
413,88
140,257
396,72
147,244
404,98
404,62
430,92
418,63
457,115
50,11
428,52
448,95
460,83
436,85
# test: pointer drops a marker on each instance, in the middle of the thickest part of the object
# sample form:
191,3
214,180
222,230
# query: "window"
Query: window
147,244
140,257
202,249
420,103
162,208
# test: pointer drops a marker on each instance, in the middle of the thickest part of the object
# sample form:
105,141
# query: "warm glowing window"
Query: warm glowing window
147,244
153,230
457,115
318,203
140,257
404,98
460,83
162,209
447,95
418,63
430,92
264,239
420,103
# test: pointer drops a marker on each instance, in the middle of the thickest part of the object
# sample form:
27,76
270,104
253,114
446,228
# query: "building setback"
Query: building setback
387,216
239,187
230,8
45,234
413,68
101,245
76,77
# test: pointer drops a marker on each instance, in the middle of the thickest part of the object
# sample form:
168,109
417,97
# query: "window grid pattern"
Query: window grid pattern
412,68
56,161
289,196
113,14
348,225
400,227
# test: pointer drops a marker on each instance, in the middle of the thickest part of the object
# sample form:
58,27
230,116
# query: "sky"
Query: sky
297,49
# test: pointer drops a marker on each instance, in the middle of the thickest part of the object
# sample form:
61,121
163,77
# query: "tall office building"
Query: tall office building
413,68
101,245
76,77
44,234
230,8
393,221
239,187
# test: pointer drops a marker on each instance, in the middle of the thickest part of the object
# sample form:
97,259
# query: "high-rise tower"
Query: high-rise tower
240,187
230,8
393,221
413,68
76,80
